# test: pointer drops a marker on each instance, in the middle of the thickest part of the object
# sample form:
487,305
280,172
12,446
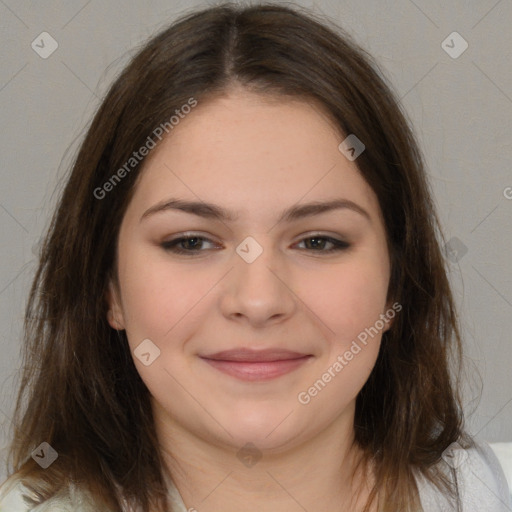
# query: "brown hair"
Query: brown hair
80,390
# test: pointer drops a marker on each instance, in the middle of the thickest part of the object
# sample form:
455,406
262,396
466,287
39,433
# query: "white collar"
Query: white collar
175,499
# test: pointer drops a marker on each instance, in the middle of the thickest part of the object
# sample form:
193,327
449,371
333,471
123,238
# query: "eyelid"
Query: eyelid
301,237
321,234
337,241
189,234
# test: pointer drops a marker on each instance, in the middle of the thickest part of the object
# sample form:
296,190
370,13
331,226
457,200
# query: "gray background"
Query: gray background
460,107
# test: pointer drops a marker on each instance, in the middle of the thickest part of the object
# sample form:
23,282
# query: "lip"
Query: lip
256,365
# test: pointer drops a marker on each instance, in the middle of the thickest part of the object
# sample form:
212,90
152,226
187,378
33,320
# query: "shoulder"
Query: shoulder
480,480
17,496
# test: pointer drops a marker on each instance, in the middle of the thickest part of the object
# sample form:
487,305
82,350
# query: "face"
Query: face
253,272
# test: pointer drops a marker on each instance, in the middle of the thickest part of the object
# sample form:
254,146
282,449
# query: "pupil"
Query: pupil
192,242
316,242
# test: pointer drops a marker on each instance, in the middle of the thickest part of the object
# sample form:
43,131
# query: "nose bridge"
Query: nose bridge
257,287
254,257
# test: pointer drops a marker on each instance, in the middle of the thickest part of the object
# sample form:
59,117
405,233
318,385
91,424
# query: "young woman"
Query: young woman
241,302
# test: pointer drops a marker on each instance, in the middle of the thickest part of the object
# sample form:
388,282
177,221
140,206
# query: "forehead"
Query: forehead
257,124
247,149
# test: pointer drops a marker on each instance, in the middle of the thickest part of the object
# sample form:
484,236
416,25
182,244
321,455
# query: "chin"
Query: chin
267,427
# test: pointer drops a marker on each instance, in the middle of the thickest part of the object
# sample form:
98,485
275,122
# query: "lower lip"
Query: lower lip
257,370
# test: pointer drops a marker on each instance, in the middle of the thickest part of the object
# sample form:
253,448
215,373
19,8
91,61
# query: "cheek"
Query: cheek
353,302
352,305
160,299
347,299
157,301
164,303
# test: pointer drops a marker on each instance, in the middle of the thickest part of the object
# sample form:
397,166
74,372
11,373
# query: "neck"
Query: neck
318,474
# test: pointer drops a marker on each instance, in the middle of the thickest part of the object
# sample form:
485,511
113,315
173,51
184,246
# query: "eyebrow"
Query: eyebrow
212,211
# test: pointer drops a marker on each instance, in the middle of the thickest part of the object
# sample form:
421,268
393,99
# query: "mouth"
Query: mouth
256,365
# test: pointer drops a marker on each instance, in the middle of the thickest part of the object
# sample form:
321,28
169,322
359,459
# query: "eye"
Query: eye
319,243
194,244
187,244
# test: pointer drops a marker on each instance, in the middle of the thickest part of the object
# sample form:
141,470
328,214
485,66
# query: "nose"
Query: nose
259,292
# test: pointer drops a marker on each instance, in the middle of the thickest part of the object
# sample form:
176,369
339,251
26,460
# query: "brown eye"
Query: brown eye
319,243
186,244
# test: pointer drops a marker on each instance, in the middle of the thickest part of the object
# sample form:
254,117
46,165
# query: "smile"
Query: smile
251,365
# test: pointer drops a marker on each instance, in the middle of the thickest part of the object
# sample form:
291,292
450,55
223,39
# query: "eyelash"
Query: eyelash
172,245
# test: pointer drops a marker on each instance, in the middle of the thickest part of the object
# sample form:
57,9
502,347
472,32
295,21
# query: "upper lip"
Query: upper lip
253,355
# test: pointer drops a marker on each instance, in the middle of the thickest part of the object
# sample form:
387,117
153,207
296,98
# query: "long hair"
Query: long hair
80,390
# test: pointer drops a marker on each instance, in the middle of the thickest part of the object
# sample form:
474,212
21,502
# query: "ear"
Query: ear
115,315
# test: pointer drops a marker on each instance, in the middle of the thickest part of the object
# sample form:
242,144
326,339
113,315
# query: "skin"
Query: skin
254,157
